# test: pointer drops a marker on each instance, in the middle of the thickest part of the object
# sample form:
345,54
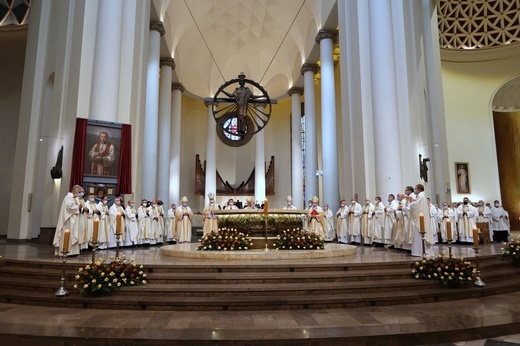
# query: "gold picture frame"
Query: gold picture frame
462,177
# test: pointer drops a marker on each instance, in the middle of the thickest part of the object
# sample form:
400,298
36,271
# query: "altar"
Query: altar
260,225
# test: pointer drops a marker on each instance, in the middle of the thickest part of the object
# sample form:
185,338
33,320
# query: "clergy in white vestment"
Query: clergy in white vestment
342,223
500,223
250,204
104,225
366,221
231,205
184,217
390,210
172,224
143,223
420,207
467,213
289,204
117,209
210,219
155,233
315,218
410,196
400,234
354,220
330,232
445,214
162,223
132,224
433,219
378,221
66,221
93,214
306,222
81,223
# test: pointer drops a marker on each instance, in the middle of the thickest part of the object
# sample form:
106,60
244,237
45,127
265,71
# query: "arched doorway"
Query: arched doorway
506,120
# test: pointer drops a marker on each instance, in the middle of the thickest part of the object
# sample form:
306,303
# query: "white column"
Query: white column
384,105
165,115
260,163
175,160
311,158
211,154
107,61
329,143
151,115
296,148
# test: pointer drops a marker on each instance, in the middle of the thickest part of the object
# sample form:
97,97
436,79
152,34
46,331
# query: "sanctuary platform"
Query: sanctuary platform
364,298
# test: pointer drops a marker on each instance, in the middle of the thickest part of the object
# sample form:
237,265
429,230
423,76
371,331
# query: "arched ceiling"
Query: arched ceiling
507,98
214,40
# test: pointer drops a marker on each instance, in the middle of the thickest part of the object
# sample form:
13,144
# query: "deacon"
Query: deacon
420,210
342,223
210,219
467,213
354,221
67,222
315,218
132,221
184,217
329,223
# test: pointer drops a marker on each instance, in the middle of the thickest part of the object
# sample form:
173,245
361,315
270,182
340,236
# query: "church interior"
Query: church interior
257,100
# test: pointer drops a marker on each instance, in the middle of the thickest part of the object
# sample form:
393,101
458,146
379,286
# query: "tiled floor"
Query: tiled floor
454,320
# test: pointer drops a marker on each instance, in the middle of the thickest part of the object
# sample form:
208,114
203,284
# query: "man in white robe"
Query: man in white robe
467,213
143,217
162,226
445,214
354,221
390,210
366,222
132,222
81,223
93,214
114,210
184,217
155,234
250,204
500,223
378,222
400,232
172,224
329,223
433,219
104,225
66,221
289,204
410,196
342,223
210,219
420,207
231,205
316,219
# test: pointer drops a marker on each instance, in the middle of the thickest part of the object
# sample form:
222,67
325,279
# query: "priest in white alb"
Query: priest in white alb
143,223
210,219
466,213
342,223
132,223
315,218
115,210
444,215
354,220
66,221
366,221
329,223
420,210
378,222
184,217
171,234
104,225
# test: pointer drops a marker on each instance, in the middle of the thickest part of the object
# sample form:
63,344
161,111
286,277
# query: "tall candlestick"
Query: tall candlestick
95,233
475,237
66,240
448,229
421,222
118,223
266,207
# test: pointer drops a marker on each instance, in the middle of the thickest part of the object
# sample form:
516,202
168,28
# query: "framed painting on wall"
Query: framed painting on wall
462,175
102,149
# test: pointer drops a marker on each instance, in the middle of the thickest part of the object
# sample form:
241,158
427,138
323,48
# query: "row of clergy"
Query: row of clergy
90,222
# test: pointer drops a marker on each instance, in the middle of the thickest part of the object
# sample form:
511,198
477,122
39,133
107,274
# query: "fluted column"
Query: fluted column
175,161
260,162
211,153
311,158
104,99
165,115
384,100
296,147
151,115
329,143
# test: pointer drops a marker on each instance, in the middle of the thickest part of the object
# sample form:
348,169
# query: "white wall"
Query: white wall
469,88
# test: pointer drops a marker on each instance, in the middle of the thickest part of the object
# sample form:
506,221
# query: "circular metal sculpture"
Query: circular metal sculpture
238,111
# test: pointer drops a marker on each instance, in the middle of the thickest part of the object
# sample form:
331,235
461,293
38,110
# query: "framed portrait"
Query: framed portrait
462,177
102,149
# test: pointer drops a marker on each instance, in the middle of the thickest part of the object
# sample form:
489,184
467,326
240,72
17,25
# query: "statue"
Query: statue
242,95
56,172
423,168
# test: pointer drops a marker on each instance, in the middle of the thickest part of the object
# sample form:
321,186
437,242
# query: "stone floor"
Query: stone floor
453,320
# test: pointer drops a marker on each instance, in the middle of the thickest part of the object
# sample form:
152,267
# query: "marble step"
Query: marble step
428,293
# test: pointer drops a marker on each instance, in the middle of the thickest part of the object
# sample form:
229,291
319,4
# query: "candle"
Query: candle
421,223
266,207
118,224
95,233
66,240
475,237
448,229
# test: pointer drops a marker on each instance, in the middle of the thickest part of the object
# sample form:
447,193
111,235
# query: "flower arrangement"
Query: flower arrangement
450,271
297,239
102,278
511,250
225,239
